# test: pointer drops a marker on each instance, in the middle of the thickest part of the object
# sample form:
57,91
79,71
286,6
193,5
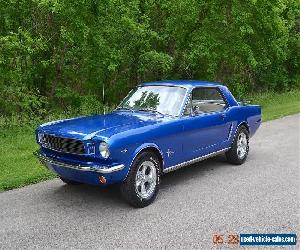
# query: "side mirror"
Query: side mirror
244,102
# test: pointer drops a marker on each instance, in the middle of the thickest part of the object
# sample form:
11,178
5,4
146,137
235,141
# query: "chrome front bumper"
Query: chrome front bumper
107,170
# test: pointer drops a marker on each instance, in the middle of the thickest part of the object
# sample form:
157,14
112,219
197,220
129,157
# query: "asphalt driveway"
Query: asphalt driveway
261,196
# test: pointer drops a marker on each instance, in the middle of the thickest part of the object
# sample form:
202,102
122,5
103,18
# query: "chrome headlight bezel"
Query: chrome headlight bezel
40,137
104,150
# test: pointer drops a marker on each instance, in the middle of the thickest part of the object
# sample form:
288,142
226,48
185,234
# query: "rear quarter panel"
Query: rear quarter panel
253,118
251,115
238,113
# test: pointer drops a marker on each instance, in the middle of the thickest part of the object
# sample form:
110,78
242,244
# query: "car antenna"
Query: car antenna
103,98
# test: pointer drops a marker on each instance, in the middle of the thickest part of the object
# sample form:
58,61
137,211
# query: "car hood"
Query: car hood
87,127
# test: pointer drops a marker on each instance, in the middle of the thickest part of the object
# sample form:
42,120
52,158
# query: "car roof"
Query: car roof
184,83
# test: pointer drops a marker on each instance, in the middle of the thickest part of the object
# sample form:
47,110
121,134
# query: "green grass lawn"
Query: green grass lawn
275,105
18,166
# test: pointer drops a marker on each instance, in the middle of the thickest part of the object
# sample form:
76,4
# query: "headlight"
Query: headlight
104,151
40,137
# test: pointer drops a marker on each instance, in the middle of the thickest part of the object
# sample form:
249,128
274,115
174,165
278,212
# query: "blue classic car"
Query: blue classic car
159,127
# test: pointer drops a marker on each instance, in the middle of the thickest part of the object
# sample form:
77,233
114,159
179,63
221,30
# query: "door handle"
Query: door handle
223,116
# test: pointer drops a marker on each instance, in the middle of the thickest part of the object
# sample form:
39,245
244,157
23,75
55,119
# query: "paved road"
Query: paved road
194,203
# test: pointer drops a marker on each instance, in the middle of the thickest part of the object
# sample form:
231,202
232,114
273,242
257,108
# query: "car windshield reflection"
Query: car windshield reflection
165,100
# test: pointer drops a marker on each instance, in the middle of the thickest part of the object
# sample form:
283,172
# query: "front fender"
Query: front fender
127,156
142,147
138,150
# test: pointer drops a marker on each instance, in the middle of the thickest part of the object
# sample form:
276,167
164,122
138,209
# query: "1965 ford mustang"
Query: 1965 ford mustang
159,127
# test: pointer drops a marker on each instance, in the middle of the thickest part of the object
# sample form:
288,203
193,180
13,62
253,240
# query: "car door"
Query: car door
205,122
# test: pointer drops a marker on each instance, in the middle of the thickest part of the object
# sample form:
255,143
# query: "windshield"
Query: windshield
161,99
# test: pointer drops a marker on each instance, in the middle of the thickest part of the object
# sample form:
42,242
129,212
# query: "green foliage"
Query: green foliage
58,54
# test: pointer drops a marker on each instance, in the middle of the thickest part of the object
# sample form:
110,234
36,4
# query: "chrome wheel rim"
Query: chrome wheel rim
242,145
145,180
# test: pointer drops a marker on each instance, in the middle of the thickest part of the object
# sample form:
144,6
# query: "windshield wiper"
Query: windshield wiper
151,110
125,108
141,109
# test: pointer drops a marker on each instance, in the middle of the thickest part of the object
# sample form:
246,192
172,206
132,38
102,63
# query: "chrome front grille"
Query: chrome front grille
65,145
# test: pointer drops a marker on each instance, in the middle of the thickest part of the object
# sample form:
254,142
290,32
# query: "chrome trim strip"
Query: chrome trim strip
186,163
230,132
44,160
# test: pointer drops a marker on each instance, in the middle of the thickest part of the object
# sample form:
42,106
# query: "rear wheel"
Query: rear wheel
240,147
69,182
142,183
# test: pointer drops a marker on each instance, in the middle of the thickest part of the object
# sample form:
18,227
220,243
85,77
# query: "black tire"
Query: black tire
130,191
233,155
69,182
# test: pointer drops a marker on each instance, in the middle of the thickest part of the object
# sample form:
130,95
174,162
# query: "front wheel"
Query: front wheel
142,183
240,147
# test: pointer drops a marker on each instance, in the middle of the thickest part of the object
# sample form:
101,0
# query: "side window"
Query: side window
206,100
